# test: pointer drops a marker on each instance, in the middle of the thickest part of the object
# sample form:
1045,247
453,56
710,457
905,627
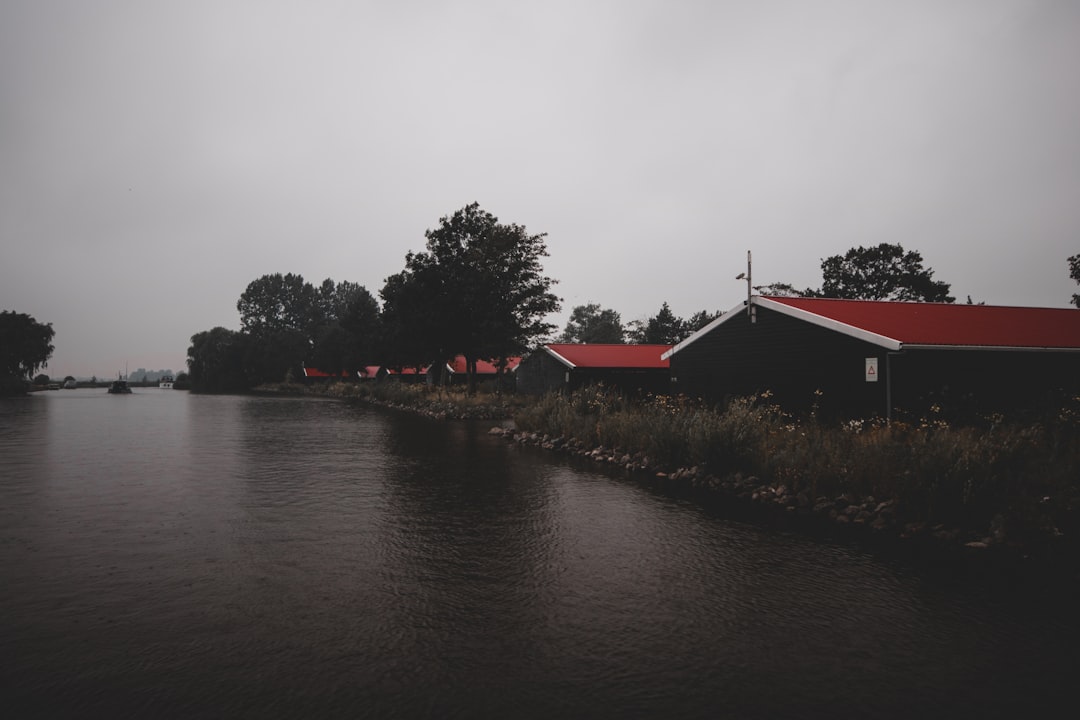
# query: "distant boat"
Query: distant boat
166,382
119,387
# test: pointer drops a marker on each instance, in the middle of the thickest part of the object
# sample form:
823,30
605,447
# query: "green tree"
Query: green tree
349,334
25,347
785,290
275,303
700,319
216,361
883,272
478,291
592,324
664,328
1074,273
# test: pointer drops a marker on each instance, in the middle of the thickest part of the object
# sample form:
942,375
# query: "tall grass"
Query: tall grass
996,474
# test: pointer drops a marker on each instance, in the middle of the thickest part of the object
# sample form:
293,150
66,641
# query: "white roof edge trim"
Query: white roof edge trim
830,324
995,348
559,357
732,313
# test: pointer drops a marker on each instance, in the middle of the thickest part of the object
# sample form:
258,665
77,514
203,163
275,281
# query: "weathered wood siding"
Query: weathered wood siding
970,383
794,359
790,358
540,373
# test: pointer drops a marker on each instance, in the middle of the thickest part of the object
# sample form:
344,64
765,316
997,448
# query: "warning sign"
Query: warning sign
871,369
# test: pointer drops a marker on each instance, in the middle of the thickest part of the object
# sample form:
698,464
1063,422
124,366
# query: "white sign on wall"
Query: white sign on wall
871,369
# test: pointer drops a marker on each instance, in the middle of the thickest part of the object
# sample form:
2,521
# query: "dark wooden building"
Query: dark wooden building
853,358
630,369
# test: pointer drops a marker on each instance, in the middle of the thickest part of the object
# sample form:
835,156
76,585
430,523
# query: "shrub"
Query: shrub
1020,476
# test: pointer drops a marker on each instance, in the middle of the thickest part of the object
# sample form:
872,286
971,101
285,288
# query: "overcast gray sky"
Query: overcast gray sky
155,157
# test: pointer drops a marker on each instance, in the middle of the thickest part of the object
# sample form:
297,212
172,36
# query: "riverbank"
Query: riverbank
999,490
438,403
879,522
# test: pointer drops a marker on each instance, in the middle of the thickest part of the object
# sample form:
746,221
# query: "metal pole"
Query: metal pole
749,290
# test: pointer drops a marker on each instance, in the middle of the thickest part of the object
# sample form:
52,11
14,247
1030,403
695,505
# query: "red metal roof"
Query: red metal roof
610,356
483,367
316,373
405,371
940,324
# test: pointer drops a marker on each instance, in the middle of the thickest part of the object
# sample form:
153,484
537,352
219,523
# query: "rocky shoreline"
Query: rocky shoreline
879,521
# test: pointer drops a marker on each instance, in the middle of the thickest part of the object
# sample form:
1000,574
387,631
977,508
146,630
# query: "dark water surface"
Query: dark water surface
171,555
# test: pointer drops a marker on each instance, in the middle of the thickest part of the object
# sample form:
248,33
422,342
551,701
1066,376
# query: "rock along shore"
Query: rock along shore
879,521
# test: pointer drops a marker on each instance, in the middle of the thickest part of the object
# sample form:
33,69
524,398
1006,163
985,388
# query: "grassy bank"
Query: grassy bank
450,403
999,482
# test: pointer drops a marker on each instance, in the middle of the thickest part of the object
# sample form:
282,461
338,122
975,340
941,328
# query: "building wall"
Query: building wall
793,359
966,384
539,373
628,381
787,357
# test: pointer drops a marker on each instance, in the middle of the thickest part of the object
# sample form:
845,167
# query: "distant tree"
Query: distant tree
1074,273
349,335
216,361
664,328
785,290
41,379
478,291
412,334
275,356
25,347
592,324
884,272
275,303
700,319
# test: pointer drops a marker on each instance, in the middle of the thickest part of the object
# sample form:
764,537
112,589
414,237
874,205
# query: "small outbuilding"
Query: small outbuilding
456,372
855,358
568,366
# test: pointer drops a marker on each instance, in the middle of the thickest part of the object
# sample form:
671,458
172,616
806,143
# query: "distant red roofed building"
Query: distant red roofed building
457,371
569,366
859,358
323,375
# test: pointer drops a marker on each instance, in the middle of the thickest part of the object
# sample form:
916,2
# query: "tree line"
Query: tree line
478,290
882,272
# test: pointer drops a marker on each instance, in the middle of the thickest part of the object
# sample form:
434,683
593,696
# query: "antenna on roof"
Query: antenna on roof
750,309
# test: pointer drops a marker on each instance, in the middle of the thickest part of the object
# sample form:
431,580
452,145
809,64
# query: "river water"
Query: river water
172,555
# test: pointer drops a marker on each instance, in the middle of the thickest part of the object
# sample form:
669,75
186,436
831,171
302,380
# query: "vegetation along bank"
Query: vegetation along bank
997,488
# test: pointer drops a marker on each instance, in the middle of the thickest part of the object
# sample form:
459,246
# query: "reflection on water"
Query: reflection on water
167,554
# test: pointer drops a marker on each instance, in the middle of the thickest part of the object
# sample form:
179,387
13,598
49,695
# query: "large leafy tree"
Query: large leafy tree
216,361
25,347
1074,273
348,332
478,291
592,324
277,302
883,272
663,328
